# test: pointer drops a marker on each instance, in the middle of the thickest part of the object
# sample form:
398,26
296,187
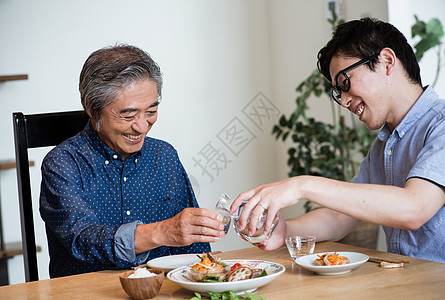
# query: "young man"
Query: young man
110,196
375,75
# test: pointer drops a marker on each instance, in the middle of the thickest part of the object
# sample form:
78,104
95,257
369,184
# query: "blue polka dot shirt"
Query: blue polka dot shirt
91,201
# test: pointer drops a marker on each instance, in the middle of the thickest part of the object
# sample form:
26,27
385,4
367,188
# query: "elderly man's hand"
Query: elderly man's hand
192,225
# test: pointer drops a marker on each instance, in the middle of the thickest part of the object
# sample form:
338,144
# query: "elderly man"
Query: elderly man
375,75
110,196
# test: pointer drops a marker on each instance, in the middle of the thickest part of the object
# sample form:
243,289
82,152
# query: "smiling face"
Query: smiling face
126,122
365,97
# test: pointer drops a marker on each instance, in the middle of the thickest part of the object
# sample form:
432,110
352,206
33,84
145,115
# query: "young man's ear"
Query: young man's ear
388,58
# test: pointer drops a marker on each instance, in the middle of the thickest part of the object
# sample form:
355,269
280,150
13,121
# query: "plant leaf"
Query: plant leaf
430,35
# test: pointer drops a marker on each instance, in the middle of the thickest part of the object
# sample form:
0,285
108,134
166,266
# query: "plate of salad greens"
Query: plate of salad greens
216,276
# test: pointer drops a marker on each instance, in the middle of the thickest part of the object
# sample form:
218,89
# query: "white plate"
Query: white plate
239,287
355,260
171,262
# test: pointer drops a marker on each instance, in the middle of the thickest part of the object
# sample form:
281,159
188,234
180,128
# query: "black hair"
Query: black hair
365,37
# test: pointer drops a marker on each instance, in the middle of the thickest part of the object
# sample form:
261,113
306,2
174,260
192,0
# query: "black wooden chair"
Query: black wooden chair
34,131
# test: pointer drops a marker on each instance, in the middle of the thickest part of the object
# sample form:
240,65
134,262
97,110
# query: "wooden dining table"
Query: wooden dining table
418,279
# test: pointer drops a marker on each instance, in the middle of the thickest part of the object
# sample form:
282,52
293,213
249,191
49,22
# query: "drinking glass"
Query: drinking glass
300,245
223,206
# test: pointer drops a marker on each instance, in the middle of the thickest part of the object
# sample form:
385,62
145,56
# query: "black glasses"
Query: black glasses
342,82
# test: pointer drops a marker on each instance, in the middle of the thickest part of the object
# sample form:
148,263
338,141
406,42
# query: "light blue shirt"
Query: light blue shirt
416,148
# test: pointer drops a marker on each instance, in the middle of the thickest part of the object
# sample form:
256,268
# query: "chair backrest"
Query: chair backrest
34,131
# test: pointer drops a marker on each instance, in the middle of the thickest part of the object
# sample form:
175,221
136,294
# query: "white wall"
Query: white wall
219,59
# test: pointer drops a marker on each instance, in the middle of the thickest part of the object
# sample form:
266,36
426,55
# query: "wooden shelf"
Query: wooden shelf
10,164
13,249
13,77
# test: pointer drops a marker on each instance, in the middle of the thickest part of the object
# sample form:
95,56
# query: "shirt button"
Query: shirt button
402,133
125,178
107,162
135,160
389,152
128,213
114,156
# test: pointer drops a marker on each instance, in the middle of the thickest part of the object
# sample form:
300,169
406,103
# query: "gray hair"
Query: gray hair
108,71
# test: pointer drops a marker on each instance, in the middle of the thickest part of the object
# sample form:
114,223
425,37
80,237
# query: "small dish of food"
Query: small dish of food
332,263
331,259
215,275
